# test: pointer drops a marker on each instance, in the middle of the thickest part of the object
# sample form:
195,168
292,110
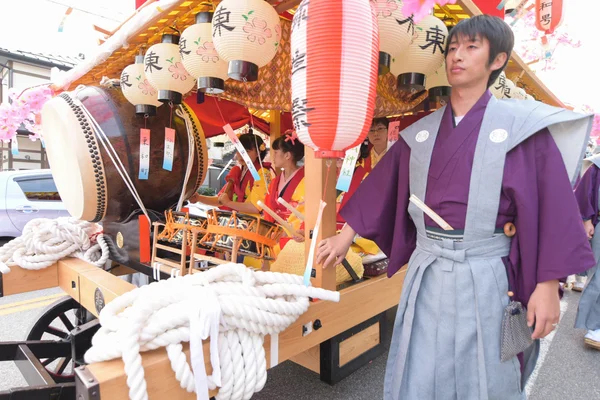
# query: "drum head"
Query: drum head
90,178
73,154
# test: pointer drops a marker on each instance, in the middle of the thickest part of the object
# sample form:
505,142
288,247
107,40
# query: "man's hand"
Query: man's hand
589,228
331,251
544,309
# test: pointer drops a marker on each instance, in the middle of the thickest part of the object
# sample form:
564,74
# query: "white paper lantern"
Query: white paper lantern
499,86
166,72
199,56
246,34
438,87
396,31
509,90
529,97
137,89
334,85
424,56
519,93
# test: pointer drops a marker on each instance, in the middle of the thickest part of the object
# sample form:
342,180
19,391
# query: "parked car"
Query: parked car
25,195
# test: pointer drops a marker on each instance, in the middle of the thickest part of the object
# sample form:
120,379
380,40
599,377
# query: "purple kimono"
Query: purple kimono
447,332
586,192
536,195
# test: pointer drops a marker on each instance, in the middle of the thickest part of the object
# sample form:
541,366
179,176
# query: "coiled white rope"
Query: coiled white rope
45,241
233,305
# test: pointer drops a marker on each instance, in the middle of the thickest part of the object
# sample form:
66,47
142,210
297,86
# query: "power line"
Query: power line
85,11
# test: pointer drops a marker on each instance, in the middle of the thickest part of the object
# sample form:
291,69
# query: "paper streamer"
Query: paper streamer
345,178
144,153
169,149
313,245
236,142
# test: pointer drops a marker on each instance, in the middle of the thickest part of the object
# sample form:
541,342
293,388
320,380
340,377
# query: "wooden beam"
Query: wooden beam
275,128
20,280
322,181
357,304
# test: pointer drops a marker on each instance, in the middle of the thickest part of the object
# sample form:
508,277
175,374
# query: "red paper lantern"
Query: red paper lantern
548,15
335,56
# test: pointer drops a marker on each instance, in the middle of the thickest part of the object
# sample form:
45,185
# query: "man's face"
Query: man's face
377,134
467,61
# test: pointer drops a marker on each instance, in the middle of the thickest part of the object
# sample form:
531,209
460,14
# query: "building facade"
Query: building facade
21,70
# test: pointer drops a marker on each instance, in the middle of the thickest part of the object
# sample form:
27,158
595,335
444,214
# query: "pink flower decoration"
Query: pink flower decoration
257,31
179,71
147,88
383,7
208,52
421,8
24,109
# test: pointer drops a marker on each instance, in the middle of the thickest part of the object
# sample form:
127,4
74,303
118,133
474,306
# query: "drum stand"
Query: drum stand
179,269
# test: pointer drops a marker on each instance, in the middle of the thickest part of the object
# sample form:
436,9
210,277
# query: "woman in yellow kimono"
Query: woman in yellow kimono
289,185
242,192
372,151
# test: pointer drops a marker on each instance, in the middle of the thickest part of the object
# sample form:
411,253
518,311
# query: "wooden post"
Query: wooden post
275,125
316,174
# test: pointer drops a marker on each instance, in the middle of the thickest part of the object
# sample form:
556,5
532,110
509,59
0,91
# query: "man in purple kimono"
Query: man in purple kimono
479,163
587,194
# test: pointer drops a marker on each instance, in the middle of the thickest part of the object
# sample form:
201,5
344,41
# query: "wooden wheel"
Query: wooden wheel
56,324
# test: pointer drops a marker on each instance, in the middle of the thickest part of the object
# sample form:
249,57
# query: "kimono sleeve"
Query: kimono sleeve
298,203
378,210
258,192
586,194
551,242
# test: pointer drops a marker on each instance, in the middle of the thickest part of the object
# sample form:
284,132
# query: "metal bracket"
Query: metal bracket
86,386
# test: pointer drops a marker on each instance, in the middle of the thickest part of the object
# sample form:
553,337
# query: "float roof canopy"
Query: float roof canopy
273,89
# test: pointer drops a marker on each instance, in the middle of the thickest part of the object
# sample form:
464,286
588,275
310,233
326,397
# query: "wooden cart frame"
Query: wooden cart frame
332,339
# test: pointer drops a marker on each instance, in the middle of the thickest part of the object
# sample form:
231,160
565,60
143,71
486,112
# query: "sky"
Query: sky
32,25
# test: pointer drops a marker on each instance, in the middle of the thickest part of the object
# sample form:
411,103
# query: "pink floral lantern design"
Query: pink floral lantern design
137,89
165,71
246,34
199,56
334,75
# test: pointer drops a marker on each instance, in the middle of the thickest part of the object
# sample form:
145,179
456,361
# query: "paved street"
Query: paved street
567,369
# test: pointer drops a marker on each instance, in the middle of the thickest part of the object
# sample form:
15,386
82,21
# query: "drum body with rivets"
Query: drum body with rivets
87,177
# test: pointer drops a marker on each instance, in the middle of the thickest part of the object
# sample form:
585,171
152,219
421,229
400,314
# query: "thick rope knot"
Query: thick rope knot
45,241
232,306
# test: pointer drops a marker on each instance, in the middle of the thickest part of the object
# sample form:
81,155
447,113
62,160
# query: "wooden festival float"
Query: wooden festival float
104,182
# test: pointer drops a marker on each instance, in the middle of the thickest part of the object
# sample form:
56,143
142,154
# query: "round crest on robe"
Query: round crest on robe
334,74
395,31
166,72
424,56
137,90
199,56
246,34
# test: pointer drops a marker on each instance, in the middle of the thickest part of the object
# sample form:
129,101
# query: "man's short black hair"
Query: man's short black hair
494,29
